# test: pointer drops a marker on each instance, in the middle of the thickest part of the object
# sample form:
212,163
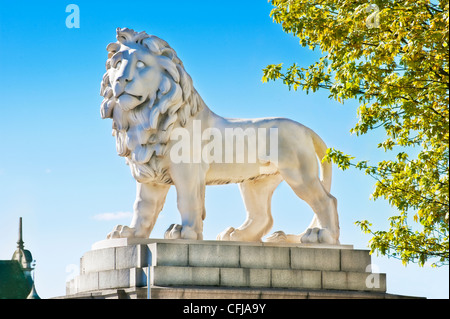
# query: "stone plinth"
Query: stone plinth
200,269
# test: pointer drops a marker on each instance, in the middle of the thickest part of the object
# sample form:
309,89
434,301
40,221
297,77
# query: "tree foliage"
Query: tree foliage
393,59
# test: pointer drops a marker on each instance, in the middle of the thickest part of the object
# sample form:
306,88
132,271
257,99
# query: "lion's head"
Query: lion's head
147,92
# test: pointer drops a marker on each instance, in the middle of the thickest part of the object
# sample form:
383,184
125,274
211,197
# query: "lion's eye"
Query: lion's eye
118,64
140,64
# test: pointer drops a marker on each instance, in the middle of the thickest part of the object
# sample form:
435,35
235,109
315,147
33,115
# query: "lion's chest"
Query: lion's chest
154,171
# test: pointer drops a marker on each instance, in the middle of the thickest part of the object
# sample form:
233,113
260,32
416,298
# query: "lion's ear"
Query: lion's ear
168,52
151,45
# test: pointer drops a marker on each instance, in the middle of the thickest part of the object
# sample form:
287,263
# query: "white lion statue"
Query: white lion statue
152,102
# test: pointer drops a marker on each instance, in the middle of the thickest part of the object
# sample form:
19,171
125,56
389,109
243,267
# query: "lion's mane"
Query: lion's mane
142,134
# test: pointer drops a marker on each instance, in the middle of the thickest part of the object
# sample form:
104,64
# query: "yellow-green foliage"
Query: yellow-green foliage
397,69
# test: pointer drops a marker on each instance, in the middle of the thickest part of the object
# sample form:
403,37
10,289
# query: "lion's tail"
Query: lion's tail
326,167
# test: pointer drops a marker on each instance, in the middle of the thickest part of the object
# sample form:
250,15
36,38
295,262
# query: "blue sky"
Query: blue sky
58,166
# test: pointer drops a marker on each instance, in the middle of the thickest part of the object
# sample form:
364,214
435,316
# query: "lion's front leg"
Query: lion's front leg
189,180
149,202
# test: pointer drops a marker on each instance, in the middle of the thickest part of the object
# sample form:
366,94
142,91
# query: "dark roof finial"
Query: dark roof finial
22,255
20,241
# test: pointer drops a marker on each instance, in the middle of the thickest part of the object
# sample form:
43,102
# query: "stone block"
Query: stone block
169,275
355,260
293,278
98,260
260,278
184,276
315,259
214,255
245,277
166,254
87,282
114,279
205,276
358,281
126,257
264,257
373,282
334,280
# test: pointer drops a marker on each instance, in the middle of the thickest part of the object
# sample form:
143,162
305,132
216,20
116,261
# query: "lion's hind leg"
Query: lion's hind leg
324,227
257,196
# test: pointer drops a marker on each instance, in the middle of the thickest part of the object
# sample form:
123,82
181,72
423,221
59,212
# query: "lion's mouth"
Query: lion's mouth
139,97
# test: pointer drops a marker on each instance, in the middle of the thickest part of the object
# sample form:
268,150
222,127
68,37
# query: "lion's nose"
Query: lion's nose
120,84
124,79
126,74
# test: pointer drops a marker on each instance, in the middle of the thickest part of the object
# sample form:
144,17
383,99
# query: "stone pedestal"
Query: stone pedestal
119,268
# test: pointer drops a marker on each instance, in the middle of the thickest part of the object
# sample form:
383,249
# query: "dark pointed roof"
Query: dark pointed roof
22,255
16,280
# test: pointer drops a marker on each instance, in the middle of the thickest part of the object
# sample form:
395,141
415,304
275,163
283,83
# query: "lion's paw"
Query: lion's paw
176,231
310,236
121,231
318,235
277,237
226,234
232,234
173,232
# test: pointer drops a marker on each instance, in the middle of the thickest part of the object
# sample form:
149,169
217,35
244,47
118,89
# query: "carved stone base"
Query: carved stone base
118,268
